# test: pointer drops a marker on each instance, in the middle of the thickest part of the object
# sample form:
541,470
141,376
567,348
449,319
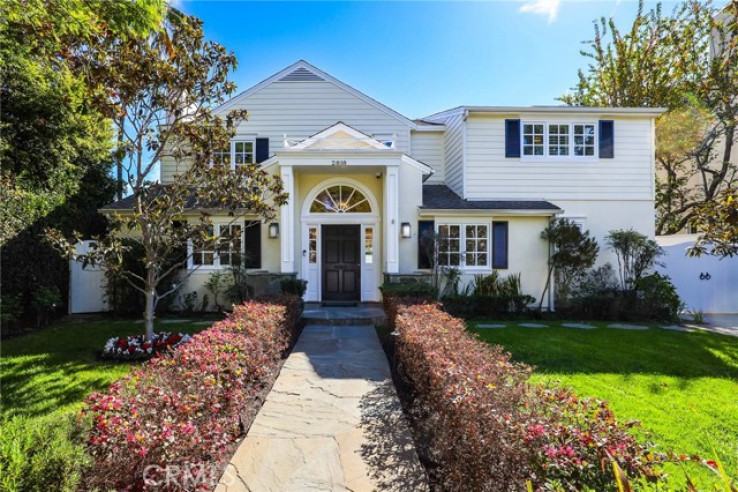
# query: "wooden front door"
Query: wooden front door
341,263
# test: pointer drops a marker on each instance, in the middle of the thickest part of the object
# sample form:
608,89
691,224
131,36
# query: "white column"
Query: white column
287,221
391,218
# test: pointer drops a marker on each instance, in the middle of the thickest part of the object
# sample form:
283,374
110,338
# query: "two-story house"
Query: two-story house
365,182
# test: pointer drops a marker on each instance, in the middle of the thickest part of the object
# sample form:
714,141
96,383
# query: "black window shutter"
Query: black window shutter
262,149
499,244
252,244
512,138
607,139
425,231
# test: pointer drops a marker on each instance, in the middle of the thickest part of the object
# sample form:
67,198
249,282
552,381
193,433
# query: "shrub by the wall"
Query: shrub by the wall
488,428
184,409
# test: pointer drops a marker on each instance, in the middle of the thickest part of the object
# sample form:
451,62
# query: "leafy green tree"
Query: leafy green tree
686,62
636,255
716,223
50,136
160,91
572,252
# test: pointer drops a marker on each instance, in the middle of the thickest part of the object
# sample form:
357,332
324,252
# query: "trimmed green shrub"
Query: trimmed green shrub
409,289
41,454
293,286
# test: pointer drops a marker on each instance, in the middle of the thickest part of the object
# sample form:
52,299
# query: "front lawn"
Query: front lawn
683,387
53,370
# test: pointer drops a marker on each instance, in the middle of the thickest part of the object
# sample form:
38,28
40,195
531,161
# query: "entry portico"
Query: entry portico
342,177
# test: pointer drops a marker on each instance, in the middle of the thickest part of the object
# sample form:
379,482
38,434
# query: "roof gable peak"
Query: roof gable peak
303,71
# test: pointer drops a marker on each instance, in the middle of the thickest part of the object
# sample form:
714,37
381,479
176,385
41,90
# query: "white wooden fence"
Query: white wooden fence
707,283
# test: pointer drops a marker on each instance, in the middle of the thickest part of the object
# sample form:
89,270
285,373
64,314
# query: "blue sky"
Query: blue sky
417,57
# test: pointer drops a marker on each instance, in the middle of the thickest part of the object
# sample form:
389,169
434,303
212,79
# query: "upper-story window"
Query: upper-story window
542,139
243,152
533,134
240,153
584,140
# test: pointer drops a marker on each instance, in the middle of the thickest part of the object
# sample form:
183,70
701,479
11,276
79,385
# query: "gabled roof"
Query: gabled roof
441,197
341,128
302,71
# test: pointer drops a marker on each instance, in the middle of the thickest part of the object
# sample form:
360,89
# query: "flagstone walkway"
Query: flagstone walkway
332,421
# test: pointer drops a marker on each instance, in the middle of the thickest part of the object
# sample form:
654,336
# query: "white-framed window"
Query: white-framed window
238,153
584,139
533,138
243,152
463,245
558,140
228,251
541,140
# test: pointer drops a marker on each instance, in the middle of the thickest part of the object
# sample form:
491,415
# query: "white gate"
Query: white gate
86,285
708,283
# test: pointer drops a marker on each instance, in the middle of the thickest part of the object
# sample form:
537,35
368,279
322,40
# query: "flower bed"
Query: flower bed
137,347
170,424
487,427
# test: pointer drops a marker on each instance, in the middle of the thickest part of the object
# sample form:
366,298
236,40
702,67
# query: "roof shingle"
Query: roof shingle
441,197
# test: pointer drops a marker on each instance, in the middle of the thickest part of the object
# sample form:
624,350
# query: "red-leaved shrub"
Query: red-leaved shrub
486,427
184,409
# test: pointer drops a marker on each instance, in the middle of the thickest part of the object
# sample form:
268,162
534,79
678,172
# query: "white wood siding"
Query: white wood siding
453,151
427,147
629,176
302,109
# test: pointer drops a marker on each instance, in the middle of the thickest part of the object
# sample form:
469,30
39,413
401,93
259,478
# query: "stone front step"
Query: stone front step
359,315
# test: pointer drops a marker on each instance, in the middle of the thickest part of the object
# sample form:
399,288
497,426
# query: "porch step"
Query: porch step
361,314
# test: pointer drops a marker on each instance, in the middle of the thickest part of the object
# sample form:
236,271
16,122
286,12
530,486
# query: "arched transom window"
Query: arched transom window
340,199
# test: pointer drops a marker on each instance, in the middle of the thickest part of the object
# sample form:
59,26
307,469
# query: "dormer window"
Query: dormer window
556,139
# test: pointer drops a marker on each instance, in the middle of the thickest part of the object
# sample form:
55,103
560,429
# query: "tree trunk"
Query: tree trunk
149,314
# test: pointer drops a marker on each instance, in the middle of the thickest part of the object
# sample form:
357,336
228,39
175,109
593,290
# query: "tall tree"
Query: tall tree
50,136
688,63
160,91
54,145
716,223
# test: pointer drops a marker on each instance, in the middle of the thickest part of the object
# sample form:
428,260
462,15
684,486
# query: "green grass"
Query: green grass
52,371
683,387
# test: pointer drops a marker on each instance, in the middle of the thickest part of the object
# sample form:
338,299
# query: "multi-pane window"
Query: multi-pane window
202,255
222,157
541,139
230,244
243,153
533,134
449,244
584,140
476,245
228,249
464,245
558,140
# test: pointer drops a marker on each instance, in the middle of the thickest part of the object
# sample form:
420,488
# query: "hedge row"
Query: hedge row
486,427
183,410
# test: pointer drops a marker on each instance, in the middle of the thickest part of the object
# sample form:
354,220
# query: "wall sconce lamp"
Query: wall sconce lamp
273,230
406,231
